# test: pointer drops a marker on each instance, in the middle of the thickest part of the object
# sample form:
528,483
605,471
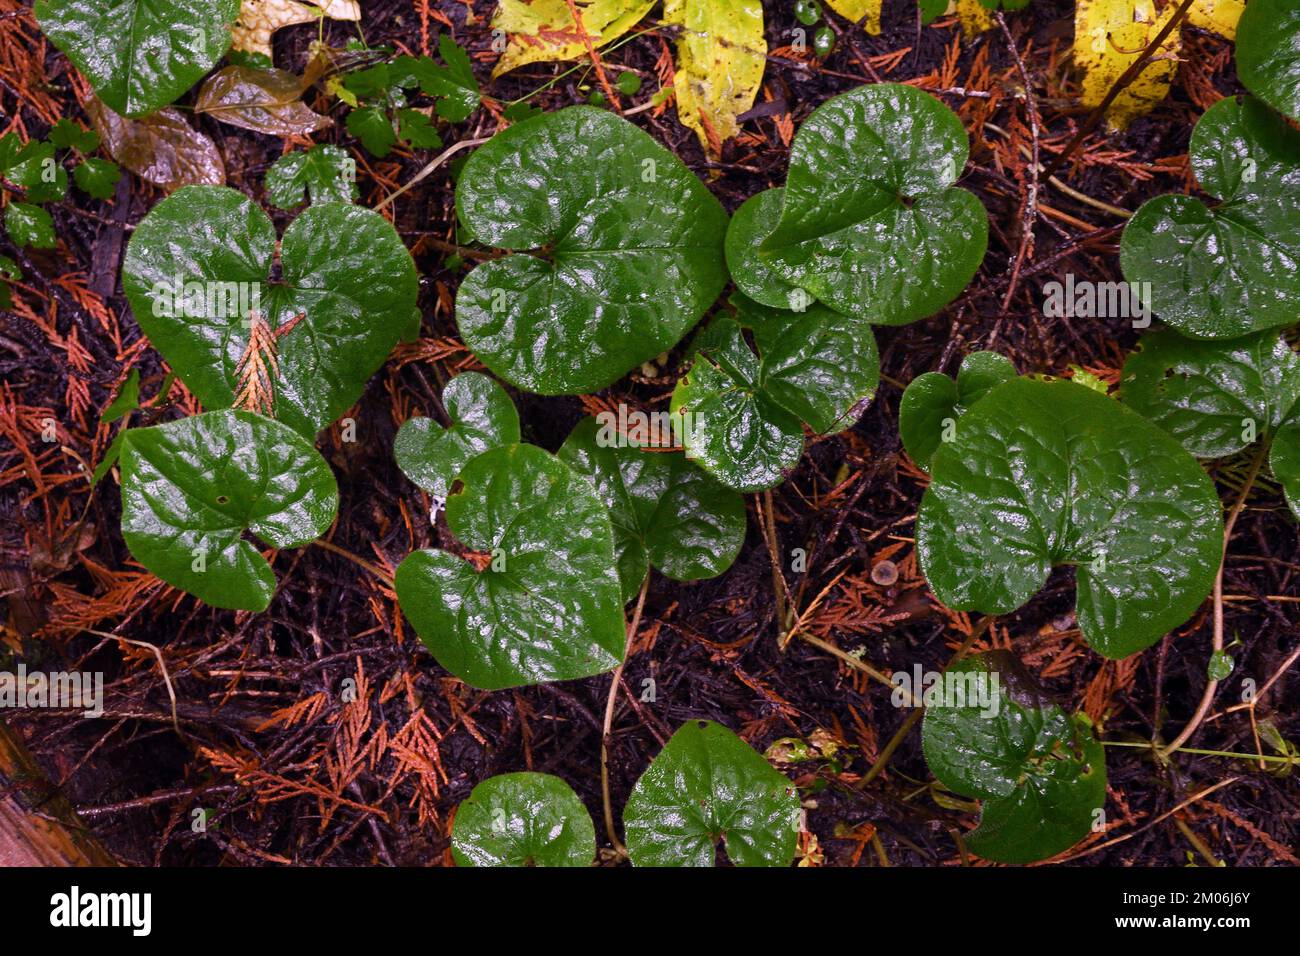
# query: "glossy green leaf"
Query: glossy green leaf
1040,771
1215,397
625,251
483,417
933,402
34,167
1220,397
1223,270
665,510
745,410
342,268
871,222
1046,473
707,785
454,84
126,400
1268,53
192,490
371,125
29,225
548,606
523,819
65,134
752,223
323,173
139,55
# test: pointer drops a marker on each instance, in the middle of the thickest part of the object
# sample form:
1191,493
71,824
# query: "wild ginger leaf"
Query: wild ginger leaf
1048,473
631,251
933,402
1225,270
1040,771
547,606
665,510
192,489
752,223
871,223
483,417
139,55
523,819
346,283
1268,53
708,786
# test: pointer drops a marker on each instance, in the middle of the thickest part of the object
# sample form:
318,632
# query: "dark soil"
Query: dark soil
291,774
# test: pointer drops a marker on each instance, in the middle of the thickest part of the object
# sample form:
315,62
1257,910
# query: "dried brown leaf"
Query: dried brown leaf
265,101
161,148
258,19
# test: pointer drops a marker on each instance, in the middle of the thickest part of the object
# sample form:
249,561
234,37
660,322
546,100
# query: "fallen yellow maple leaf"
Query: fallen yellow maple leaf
545,30
1109,35
258,19
721,54
974,16
855,10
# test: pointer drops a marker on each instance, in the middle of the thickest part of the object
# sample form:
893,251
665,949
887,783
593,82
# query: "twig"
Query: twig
1029,214
431,166
614,841
1207,698
1125,78
361,562
767,522
162,665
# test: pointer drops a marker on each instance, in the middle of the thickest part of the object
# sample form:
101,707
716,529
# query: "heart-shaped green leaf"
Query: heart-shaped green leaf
933,402
1224,270
482,417
1268,53
742,411
139,55
871,223
708,785
1220,397
665,510
1045,473
625,251
192,489
752,223
548,605
1040,771
523,819
201,262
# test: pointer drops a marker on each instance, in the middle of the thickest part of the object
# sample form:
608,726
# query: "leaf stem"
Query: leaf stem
1196,750
614,841
360,562
1207,698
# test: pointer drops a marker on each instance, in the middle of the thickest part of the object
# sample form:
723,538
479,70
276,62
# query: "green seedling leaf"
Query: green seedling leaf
665,510
933,402
416,130
628,242
323,173
523,819
483,417
66,134
139,55
1040,771
33,166
97,177
742,412
1225,270
752,223
1268,53
9,272
1047,473
1220,397
29,225
126,400
193,489
871,223
371,125
1220,667
708,785
454,84
548,606
200,264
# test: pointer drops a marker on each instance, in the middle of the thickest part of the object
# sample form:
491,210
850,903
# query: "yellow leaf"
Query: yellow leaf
1217,16
974,16
258,19
544,29
1109,35
720,58
855,10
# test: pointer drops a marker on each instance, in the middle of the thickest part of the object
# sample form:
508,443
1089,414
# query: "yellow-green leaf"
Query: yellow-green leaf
720,58
545,29
974,16
1109,35
855,10
1217,16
